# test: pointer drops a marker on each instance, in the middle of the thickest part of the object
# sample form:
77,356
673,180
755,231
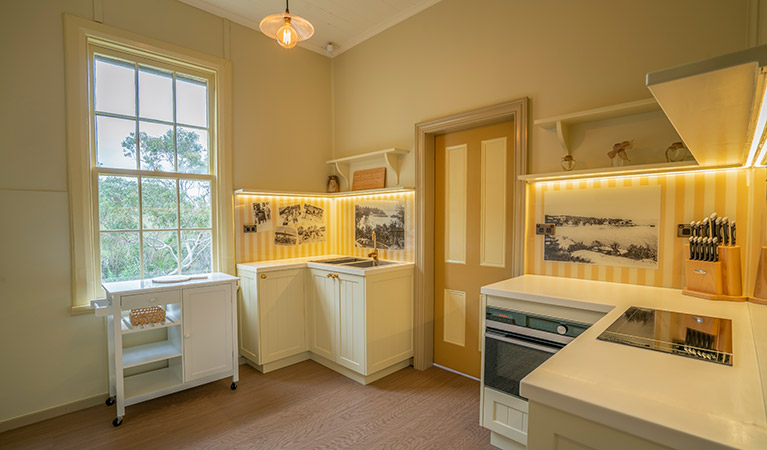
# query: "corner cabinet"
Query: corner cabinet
193,345
361,325
272,329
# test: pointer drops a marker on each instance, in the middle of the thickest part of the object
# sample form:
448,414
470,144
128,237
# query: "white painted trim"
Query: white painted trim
317,46
517,110
79,36
457,373
50,413
483,237
456,230
450,316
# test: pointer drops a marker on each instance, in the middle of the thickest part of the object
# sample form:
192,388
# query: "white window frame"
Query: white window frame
81,38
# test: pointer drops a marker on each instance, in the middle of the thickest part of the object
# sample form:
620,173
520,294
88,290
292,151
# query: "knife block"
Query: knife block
715,280
760,286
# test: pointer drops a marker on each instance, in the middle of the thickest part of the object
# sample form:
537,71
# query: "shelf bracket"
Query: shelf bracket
343,171
562,131
392,161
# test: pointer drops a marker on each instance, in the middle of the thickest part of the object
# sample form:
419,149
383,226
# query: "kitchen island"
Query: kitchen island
597,394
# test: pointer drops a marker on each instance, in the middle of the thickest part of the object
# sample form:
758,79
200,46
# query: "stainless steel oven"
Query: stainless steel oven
516,343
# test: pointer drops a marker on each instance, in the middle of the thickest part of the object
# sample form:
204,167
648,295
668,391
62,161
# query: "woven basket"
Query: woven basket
143,316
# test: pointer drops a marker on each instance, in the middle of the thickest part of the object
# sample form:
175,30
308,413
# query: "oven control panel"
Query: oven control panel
535,322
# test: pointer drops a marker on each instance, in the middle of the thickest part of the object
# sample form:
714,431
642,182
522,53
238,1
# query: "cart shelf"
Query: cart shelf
149,383
170,321
147,353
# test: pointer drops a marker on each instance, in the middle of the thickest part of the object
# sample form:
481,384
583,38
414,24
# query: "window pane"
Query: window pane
160,253
115,142
120,258
191,102
192,149
156,146
195,203
155,94
196,252
158,196
118,203
115,85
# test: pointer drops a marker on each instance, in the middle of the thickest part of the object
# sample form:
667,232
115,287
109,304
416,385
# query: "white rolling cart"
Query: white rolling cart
194,345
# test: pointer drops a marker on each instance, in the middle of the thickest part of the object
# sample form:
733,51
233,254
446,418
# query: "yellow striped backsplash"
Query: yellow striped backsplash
338,220
684,197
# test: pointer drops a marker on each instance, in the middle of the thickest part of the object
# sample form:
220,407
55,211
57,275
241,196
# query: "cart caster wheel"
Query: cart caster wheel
233,386
110,401
117,422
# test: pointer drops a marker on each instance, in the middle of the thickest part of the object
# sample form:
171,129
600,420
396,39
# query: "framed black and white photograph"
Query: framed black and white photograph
285,236
607,227
262,216
312,213
386,218
290,215
309,233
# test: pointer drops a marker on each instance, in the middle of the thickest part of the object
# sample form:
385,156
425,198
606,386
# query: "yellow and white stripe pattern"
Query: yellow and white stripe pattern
338,221
684,197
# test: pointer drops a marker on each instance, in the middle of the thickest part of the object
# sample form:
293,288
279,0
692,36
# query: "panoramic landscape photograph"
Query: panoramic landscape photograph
607,227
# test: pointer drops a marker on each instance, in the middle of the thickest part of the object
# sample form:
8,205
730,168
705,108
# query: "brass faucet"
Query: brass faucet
374,253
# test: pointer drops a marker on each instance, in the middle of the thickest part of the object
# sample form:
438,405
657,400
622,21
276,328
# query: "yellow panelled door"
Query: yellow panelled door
472,221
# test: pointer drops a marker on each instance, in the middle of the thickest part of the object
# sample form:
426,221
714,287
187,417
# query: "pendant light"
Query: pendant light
286,28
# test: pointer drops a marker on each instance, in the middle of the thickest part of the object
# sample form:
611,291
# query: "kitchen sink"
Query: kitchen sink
368,263
339,260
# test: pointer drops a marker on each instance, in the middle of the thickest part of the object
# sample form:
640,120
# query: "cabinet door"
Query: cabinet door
351,323
247,316
322,297
281,314
207,322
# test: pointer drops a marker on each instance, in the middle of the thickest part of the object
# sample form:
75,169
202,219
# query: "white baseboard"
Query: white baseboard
45,414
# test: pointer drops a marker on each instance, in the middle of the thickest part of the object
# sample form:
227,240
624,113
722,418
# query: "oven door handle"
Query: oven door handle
504,338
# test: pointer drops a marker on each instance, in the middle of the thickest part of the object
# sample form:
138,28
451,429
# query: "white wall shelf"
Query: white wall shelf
608,172
265,193
561,124
389,157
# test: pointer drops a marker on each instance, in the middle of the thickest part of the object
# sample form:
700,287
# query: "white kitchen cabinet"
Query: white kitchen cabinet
272,317
323,303
208,343
351,322
192,346
361,325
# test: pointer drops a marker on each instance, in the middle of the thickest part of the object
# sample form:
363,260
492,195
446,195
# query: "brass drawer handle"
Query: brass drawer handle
263,276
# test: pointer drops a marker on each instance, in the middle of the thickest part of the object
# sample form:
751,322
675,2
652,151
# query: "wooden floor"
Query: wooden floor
302,406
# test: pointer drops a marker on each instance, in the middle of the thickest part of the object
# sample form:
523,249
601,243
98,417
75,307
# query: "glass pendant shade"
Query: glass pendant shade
286,28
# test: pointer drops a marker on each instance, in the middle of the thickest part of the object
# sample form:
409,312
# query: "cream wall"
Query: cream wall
281,138
565,56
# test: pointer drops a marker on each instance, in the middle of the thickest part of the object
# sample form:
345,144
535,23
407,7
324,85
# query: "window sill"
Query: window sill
79,310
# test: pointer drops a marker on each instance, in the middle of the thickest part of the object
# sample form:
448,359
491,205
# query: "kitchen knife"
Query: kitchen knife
718,228
732,232
692,248
726,231
693,229
716,249
705,227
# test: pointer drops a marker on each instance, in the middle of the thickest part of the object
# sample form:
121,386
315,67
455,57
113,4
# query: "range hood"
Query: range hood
716,106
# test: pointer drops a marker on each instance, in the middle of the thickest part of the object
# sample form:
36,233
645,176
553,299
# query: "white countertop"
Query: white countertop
679,402
144,286
312,262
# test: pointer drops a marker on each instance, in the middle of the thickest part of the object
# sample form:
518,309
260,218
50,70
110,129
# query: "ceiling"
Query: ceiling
345,23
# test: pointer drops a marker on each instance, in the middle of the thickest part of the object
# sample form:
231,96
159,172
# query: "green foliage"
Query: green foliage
164,252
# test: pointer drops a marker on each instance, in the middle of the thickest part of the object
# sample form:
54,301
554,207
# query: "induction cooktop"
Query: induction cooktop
690,335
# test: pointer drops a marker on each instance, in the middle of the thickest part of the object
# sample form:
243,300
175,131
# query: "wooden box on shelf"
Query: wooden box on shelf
715,280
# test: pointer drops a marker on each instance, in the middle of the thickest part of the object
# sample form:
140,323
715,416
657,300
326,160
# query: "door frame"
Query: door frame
425,132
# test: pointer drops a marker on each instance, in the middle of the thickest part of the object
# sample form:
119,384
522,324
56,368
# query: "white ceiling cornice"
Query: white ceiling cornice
345,23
